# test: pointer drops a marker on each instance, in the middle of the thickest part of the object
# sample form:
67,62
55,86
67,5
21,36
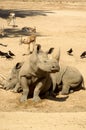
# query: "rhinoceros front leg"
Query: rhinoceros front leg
25,87
65,89
15,90
37,90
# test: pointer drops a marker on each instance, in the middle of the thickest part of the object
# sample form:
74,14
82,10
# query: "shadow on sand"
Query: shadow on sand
18,32
23,13
15,31
59,99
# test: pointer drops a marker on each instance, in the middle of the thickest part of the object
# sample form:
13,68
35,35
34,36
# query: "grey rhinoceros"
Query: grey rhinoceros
34,74
67,78
12,81
36,70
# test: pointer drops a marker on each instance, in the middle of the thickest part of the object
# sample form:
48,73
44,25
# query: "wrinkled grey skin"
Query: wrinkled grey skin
36,70
12,80
68,78
33,72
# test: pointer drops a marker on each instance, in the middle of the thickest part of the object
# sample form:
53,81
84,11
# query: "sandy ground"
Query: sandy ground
59,28
42,121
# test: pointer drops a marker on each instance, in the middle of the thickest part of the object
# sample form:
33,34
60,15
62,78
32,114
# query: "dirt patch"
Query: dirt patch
43,121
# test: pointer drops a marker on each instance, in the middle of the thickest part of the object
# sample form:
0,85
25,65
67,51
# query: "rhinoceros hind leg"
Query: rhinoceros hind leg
65,89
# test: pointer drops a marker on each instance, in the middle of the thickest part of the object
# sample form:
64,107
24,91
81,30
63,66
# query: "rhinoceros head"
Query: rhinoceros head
44,62
13,77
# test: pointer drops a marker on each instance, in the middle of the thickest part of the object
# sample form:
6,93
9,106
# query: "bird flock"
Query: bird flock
70,52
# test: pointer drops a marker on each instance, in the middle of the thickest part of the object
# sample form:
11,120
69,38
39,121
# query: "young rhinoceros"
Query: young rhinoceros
36,71
12,79
67,78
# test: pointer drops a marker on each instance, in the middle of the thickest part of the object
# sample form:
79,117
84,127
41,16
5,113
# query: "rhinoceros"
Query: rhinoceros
37,69
67,78
12,79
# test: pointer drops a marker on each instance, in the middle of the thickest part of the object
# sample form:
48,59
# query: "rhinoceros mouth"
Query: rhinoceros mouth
55,69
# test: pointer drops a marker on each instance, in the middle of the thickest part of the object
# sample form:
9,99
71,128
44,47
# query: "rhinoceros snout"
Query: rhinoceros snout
55,68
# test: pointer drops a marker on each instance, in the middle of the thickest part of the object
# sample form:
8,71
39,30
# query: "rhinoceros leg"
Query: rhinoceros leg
15,90
65,89
25,87
38,89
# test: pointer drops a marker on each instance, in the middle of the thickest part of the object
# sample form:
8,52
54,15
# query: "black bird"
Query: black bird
70,51
2,53
5,54
10,53
8,56
83,55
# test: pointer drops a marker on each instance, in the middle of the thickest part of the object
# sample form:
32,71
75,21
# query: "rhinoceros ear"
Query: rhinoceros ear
50,50
18,65
37,48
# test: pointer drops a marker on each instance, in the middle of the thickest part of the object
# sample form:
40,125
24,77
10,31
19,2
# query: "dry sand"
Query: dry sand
64,28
